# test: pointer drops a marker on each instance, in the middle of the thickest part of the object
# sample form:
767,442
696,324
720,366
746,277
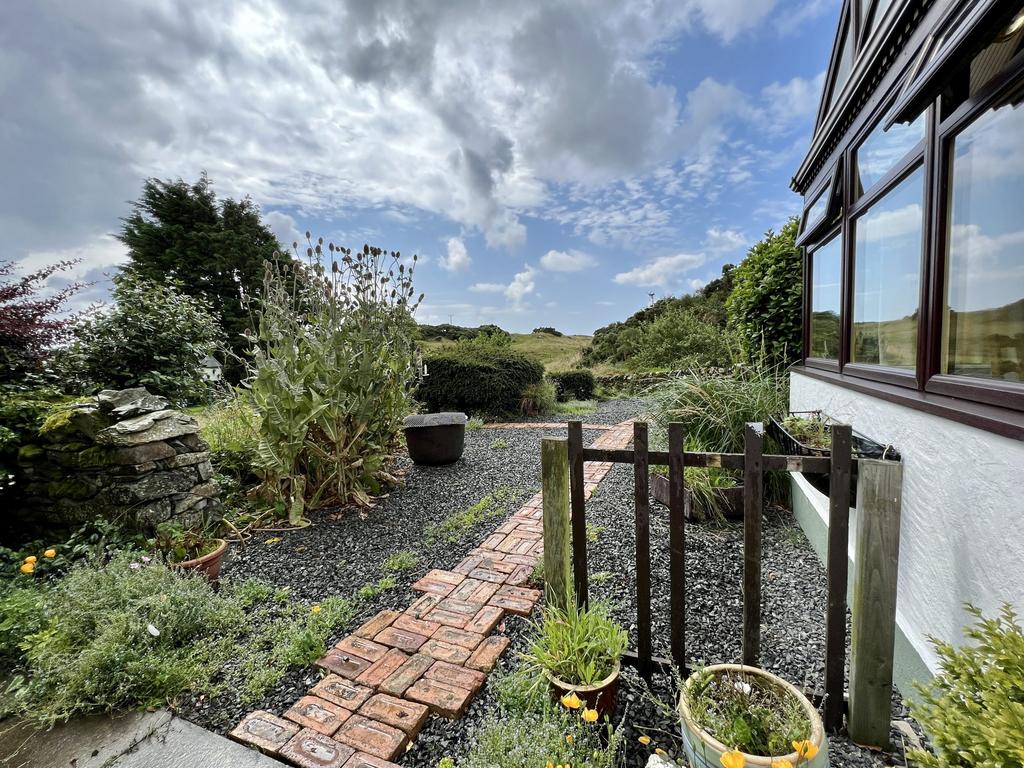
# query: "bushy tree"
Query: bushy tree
154,336
213,249
683,338
30,320
766,303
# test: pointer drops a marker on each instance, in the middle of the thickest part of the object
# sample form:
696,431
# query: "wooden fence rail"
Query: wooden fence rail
754,463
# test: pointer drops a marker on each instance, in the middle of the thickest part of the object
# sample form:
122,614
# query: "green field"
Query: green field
556,352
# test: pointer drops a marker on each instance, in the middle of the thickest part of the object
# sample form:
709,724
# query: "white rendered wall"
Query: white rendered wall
962,526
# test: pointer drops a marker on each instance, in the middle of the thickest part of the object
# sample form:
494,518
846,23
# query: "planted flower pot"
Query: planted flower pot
435,438
600,696
208,564
703,750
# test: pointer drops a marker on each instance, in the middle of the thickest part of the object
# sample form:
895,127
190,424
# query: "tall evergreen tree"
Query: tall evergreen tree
214,250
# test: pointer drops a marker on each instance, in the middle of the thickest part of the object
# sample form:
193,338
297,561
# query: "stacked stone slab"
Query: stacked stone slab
124,455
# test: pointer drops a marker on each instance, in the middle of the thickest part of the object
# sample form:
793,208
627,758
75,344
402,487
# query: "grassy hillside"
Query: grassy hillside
556,352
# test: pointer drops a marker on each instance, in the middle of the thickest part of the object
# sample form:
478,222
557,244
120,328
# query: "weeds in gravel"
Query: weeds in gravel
576,407
499,445
373,591
594,532
401,561
454,527
601,577
474,424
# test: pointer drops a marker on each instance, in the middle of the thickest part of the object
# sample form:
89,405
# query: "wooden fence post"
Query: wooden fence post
641,503
837,568
577,499
554,468
753,496
873,631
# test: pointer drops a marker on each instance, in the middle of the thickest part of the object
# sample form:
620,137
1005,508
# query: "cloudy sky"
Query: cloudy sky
551,162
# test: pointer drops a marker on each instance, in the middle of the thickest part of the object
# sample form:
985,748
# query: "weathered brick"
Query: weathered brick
440,616
265,731
376,624
361,647
513,605
467,565
487,654
407,674
486,620
520,575
422,606
447,700
407,716
470,679
520,593
310,749
439,582
444,651
459,637
485,574
363,760
402,639
343,664
460,606
382,669
419,626
374,738
493,541
342,692
528,560
319,714
472,591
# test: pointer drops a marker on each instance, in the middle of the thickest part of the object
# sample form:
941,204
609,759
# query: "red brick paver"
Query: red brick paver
395,669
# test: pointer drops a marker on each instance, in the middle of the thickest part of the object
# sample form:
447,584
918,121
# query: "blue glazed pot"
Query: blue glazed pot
704,751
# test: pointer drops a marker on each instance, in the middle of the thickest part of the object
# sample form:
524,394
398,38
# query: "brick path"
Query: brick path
546,425
386,677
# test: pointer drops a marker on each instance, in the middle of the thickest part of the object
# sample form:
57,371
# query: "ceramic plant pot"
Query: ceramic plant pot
704,751
435,438
208,564
600,696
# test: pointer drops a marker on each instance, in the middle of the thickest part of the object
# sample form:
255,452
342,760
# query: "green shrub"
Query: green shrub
974,709
538,399
766,304
155,336
333,361
479,377
548,330
230,429
449,332
681,339
22,413
579,647
574,385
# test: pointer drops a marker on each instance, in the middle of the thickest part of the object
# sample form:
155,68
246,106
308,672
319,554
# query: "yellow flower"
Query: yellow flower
31,559
316,609
27,567
589,715
807,749
572,701
568,739
733,759
549,765
645,740
50,553
661,752
781,764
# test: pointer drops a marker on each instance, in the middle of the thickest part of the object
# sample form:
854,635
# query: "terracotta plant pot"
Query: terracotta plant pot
208,564
704,751
600,696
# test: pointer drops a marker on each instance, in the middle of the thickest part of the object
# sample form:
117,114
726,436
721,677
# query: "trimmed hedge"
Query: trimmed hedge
478,381
574,385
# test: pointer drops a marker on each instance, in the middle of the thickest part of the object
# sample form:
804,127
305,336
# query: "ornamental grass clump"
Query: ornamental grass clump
578,646
333,361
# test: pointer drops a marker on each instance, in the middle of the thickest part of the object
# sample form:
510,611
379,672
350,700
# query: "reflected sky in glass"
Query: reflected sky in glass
882,149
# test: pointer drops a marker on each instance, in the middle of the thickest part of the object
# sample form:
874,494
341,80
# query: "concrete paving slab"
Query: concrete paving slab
180,744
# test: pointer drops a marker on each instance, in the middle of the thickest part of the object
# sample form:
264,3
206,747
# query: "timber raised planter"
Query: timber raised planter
435,438
731,505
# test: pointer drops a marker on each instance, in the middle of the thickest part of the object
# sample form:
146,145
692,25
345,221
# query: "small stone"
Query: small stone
444,651
487,654
460,677
447,700
319,714
404,715
401,639
382,669
377,739
310,749
342,692
361,647
372,628
459,637
264,731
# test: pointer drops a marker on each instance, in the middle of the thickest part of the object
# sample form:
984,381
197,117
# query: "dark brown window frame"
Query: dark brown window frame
996,406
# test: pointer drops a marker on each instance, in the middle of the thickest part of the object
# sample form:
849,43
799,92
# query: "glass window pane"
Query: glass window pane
880,8
883,149
826,267
844,66
983,324
817,208
887,277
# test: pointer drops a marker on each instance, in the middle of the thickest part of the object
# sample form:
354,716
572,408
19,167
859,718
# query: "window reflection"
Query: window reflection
817,208
887,277
826,264
983,323
883,149
845,65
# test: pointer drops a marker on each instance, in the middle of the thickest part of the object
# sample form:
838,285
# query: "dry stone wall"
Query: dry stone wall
124,455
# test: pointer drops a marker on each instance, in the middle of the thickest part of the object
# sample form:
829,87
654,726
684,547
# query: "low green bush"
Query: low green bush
974,709
681,339
479,376
538,399
574,385
231,430
578,646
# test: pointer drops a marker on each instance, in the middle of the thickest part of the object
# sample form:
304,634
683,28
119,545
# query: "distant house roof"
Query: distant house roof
211,362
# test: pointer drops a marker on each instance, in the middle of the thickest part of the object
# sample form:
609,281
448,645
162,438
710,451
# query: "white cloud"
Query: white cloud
99,253
284,228
488,287
723,240
567,261
660,271
522,285
457,258
695,284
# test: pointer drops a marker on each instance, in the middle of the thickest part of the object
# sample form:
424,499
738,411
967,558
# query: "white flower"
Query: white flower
742,687
135,566
146,559
153,630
